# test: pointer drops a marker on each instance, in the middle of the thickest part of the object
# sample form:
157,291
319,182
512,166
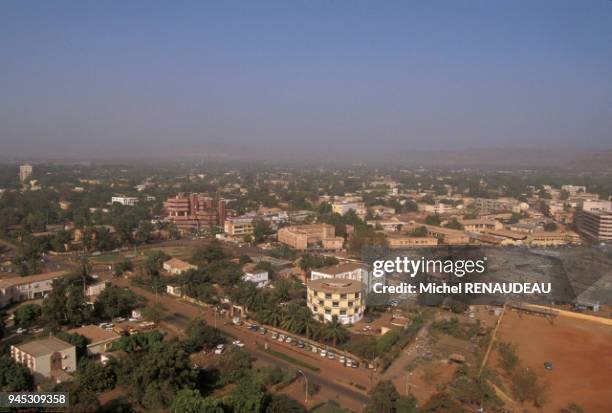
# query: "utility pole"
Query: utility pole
306,380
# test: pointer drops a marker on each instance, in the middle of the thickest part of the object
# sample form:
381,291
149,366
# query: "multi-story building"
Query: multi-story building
388,225
124,200
25,171
573,189
487,206
594,220
342,207
191,212
348,271
16,289
447,236
47,357
239,226
398,241
480,225
328,297
303,237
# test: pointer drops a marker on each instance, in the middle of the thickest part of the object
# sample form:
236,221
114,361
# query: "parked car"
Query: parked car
274,336
341,359
300,344
288,339
548,365
238,343
315,349
219,349
20,330
281,337
331,355
106,326
323,353
263,331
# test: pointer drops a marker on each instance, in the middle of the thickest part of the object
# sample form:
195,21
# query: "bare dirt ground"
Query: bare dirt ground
581,353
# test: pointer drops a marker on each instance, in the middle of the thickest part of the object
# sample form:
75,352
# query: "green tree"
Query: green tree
191,401
334,331
550,227
27,314
526,386
200,335
508,357
261,229
77,310
122,267
53,308
419,232
247,397
234,364
77,340
442,403
95,376
406,404
454,224
212,252
433,219
281,403
144,232
155,376
154,312
115,302
14,377
382,398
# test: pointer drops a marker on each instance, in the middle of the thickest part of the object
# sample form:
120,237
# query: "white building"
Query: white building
124,200
343,207
595,220
47,357
17,289
25,171
259,277
349,271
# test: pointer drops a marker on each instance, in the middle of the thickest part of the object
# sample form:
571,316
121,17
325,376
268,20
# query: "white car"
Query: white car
219,349
238,343
323,353
21,330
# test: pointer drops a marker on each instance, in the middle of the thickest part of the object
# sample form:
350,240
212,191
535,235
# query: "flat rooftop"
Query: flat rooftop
44,346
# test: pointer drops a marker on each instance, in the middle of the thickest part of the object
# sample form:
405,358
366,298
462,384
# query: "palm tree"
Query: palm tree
273,317
307,322
335,331
293,320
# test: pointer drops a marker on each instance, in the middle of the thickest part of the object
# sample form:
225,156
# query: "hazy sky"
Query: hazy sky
105,78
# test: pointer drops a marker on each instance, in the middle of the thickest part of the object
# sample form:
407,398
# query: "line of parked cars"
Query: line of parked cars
345,361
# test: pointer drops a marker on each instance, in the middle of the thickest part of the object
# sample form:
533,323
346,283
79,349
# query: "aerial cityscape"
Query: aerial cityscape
291,207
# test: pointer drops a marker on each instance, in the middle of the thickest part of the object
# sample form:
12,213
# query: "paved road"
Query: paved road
329,375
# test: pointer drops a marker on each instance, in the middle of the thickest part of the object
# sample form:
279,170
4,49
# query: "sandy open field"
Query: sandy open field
581,353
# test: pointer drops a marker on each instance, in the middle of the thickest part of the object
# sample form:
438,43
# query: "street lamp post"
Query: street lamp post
306,380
